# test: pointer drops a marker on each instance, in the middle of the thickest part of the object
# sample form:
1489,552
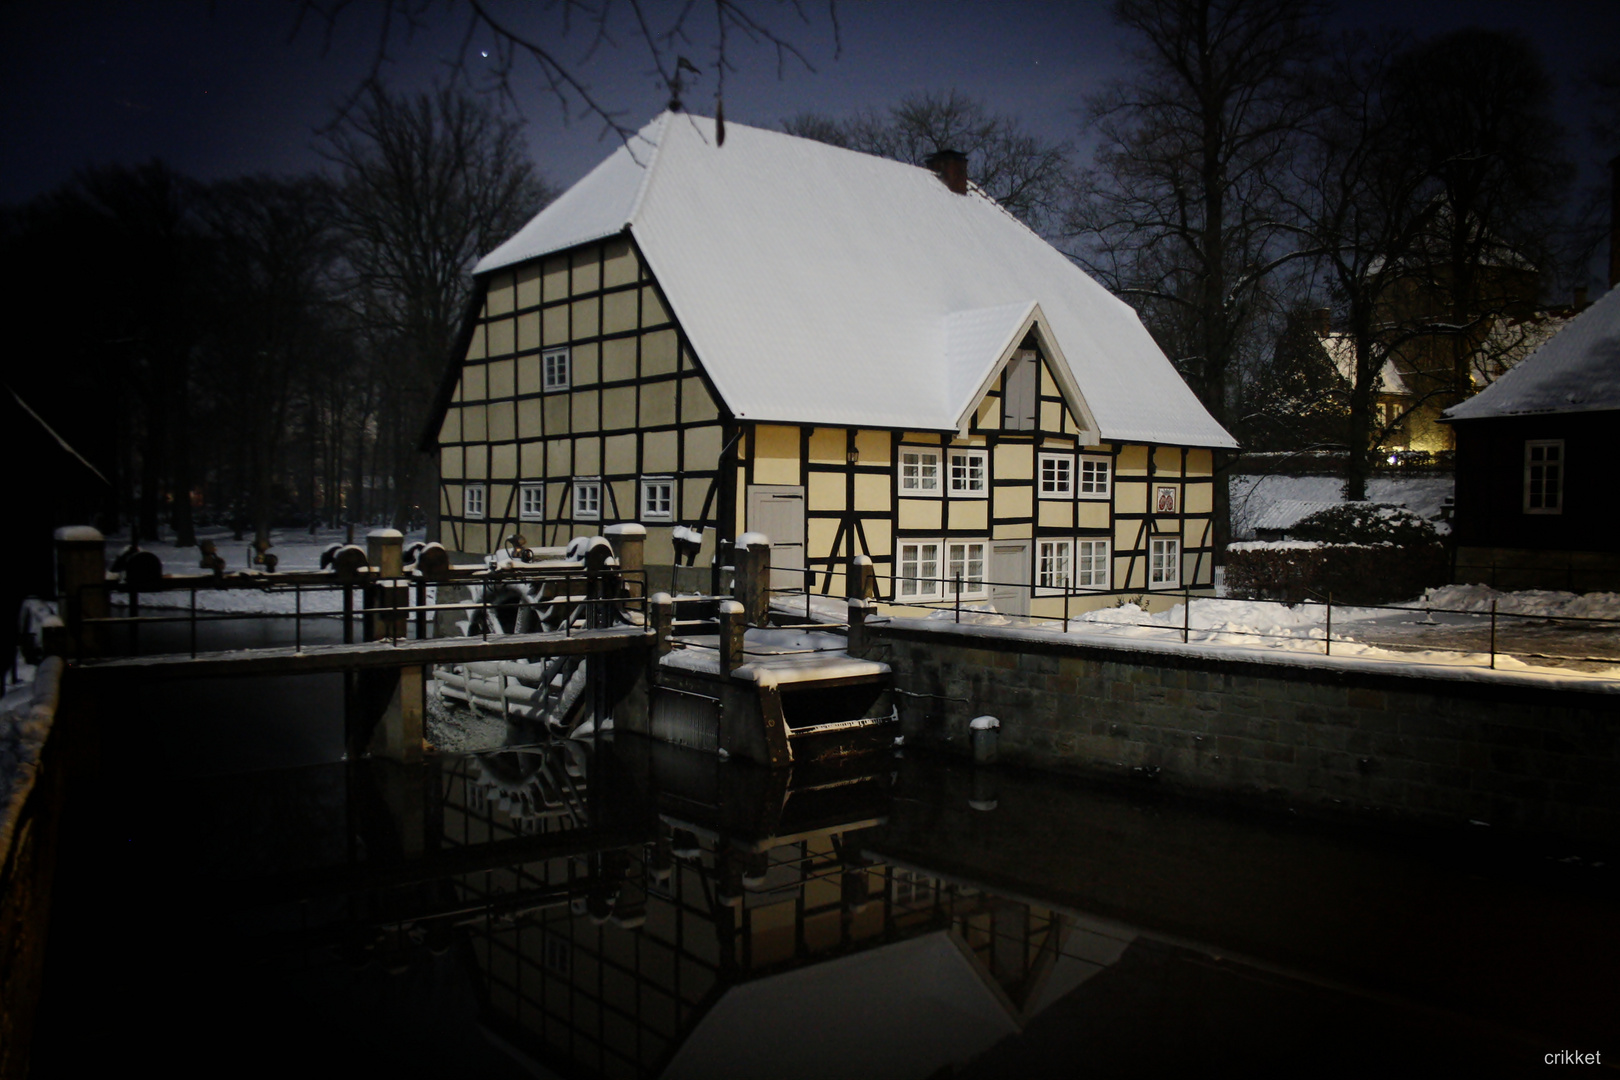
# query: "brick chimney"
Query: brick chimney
951,167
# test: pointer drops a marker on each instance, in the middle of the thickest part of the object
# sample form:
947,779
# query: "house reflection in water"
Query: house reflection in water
750,933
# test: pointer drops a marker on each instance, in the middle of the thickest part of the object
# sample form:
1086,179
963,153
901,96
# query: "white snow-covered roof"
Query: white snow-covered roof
1577,370
821,285
1341,350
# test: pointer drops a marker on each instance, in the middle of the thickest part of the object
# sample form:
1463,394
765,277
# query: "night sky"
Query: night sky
219,90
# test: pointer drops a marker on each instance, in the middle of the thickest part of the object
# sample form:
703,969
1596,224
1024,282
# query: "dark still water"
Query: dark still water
639,910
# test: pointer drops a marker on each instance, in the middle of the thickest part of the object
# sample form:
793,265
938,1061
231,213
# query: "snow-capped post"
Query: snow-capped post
753,556
81,579
629,543
733,622
985,730
385,549
861,582
662,621
387,597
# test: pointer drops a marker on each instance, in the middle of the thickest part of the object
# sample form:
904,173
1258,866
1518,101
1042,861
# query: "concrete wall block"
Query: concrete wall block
1376,722
1511,735
1359,698
1273,751
1320,736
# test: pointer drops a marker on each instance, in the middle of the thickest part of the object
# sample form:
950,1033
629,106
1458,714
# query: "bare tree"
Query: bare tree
1031,178
508,43
1181,213
1477,120
426,184
271,319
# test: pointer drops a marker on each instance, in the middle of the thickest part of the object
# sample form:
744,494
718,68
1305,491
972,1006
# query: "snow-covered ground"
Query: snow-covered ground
1449,627
1253,495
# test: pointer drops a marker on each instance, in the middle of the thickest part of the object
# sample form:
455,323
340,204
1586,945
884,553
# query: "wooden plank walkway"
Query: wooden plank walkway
317,659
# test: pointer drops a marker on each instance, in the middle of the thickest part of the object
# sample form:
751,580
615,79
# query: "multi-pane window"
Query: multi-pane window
969,474
587,499
1544,476
554,369
1054,564
1094,476
964,563
918,576
532,502
472,501
1091,564
658,499
1164,563
1057,476
919,470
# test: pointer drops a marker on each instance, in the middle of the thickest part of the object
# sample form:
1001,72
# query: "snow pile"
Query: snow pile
1547,603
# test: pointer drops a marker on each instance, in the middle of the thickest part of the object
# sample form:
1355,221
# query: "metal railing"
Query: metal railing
1494,620
597,593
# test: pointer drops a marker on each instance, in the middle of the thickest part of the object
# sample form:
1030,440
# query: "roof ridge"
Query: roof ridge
662,120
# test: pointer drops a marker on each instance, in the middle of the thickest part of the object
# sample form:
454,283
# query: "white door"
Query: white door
777,510
1009,576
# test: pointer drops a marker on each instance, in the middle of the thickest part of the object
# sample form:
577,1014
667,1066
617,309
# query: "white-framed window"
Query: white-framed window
1056,478
918,570
1096,475
1092,564
587,498
555,373
1164,563
658,498
964,562
532,502
1544,476
1054,564
919,471
969,473
472,501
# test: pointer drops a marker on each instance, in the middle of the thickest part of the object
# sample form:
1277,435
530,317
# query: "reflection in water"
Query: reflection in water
644,910
751,899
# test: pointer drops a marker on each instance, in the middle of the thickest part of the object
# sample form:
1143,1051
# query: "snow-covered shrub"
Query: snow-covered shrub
1364,523
1357,553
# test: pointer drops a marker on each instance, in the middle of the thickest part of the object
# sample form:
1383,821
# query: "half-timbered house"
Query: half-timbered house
847,354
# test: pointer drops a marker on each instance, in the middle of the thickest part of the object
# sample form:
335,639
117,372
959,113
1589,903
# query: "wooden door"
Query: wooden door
777,510
1009,576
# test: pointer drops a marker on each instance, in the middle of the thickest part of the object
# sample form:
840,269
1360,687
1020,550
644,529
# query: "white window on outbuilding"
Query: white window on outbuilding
969,474
1095,476
1544,476
472,501
555,373
919,471
917,575
1092,564
587,498
532,502
658,498
1164,563
1056,480
1054,564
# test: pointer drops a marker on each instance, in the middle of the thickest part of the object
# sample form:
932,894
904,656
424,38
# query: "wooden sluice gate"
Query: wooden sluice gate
711,673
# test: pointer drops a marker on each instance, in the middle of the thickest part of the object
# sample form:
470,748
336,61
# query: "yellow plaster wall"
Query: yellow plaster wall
871,492
826,491
776,454
1015,502
919,514
1130,497
970,514
1014,461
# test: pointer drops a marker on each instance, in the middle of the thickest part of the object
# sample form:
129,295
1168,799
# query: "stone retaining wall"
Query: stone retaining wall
1522,756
